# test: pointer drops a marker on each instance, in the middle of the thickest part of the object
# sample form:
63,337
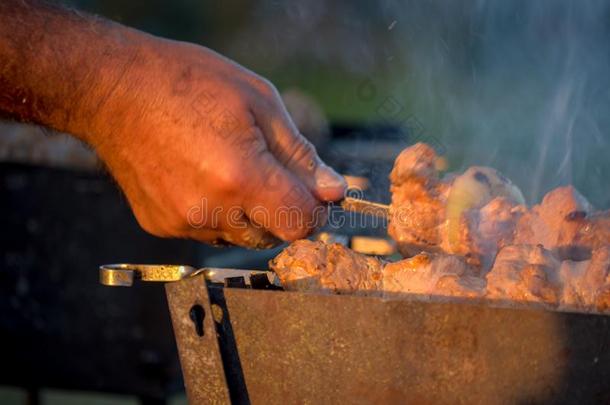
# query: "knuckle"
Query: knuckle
264,86
303,151
265,91
232,118
250,145
240,108
230,177
264,173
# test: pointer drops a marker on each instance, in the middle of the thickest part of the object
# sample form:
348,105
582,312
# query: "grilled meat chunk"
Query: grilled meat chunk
532,273
521,273
471,215
417,208
586,284
418,161
316,266
472,236
433,275
471,191
483,231
592,233
556,222
416,215
525,273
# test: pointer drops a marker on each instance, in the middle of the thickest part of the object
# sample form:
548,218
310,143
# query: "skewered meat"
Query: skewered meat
480,211
556,222
469,236
587,283
472,215
313,265
417,208
525,273
432,274
473,190
535,274
418,162
521,273
593,232
483,231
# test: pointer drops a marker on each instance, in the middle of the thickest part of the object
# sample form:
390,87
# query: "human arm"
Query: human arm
201,147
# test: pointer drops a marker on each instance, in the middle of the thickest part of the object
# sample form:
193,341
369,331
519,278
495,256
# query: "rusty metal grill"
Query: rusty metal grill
242,345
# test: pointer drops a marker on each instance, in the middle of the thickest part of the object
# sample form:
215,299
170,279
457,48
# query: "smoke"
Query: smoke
523,86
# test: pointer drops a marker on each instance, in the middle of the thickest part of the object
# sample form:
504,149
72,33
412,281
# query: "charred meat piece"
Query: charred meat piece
416,215
472,215
433,275
586,284
520,274
417,208
592,233
334,268
316,266
472,236
532,273
418,161
483,231
473,190
525,273
558,223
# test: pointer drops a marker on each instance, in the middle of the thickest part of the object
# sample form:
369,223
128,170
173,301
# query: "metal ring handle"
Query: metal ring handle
123,274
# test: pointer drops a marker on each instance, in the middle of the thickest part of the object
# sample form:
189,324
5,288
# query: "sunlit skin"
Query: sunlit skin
175,123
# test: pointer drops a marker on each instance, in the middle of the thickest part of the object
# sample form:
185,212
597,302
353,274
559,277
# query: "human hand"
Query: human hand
204,149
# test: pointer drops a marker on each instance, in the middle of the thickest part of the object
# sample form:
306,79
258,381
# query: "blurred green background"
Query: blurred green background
325,48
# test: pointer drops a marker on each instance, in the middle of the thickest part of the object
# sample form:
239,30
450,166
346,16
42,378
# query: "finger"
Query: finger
250,236
238,230
209,236
227,225
278,201
293,150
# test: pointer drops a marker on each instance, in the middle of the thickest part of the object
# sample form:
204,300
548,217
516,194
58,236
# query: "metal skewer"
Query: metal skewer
365,207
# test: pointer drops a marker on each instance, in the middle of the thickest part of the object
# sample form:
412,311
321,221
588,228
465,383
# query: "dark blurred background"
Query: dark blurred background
518,85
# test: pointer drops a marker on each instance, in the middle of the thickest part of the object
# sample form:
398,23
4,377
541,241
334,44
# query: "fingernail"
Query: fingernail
326,177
